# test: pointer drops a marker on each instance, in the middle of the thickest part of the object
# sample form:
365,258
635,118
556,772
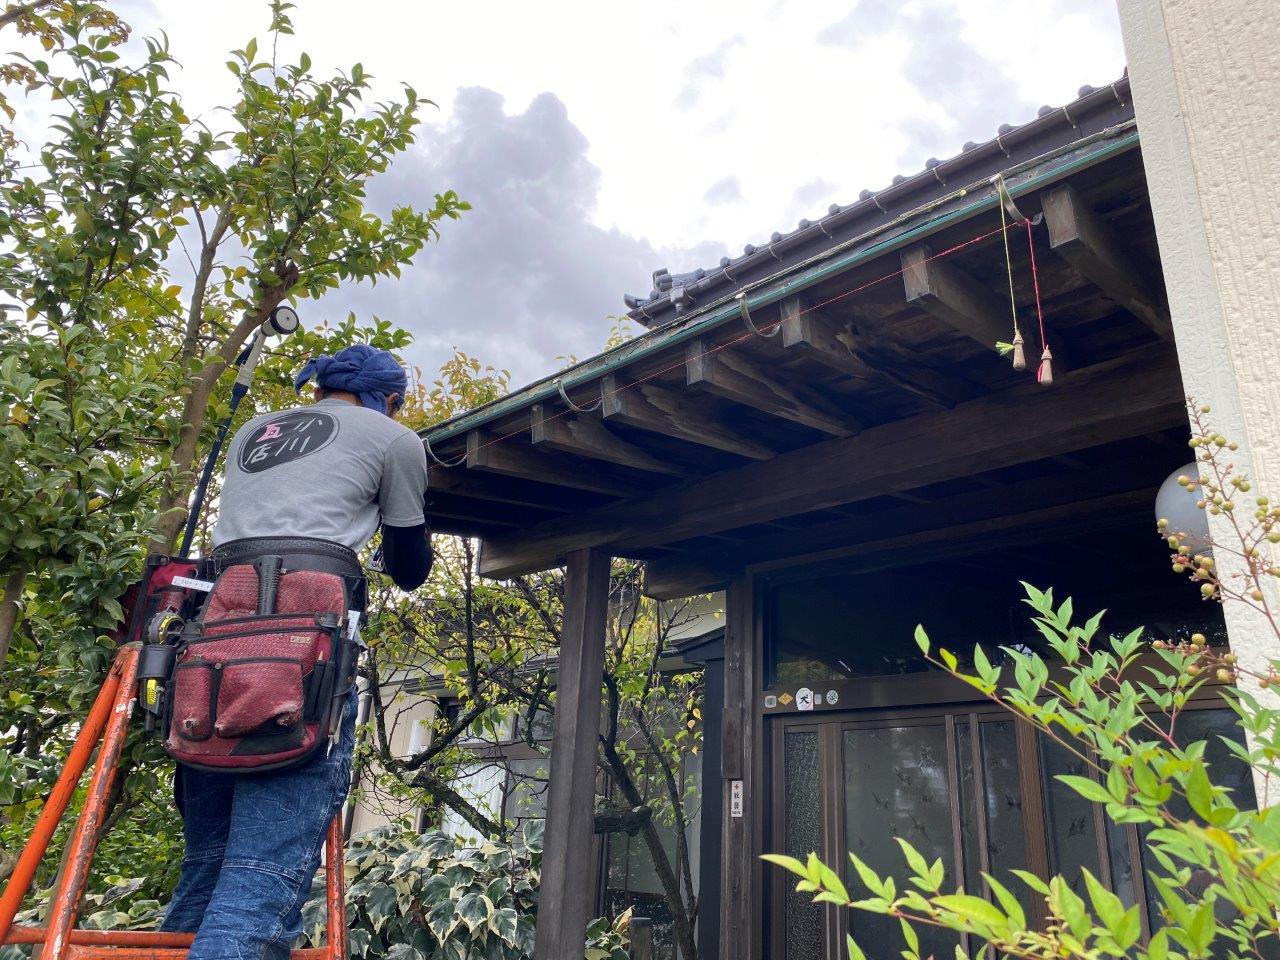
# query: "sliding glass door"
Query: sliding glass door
969,786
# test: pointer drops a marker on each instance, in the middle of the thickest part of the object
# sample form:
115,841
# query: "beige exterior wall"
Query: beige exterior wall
409,720
1206,85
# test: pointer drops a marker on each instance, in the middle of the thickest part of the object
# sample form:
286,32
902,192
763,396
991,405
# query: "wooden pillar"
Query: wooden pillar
710,838
566,895
741,903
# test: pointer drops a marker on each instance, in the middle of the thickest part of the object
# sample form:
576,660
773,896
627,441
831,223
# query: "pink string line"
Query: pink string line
1035,280
766,326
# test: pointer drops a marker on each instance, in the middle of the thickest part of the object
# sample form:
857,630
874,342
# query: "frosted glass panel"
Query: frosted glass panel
803,790
895,781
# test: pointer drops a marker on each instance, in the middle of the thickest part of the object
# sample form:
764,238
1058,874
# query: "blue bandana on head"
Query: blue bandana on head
366,371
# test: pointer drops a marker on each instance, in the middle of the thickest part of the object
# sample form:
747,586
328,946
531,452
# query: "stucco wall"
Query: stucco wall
409,719
1205,76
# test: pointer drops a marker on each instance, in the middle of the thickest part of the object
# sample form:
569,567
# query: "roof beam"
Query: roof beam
948,293
1089,244
671,579
734,377
1127,396
647,406
509,458
497,489
695,572
586,436
835,346
443,507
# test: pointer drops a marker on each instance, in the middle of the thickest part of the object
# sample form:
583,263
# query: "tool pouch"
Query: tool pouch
251,690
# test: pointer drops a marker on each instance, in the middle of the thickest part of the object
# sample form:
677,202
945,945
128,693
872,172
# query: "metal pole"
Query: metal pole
247,364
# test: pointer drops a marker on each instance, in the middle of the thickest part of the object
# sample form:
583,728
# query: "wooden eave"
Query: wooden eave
878,406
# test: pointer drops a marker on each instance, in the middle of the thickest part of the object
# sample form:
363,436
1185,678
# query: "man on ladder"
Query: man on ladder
304,490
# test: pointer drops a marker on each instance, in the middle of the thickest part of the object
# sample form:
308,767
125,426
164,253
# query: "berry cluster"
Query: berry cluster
1218,484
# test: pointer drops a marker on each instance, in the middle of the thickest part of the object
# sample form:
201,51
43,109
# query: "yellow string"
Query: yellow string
1008,260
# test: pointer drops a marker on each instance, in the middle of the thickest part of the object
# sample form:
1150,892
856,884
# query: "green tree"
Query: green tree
141,248
127,196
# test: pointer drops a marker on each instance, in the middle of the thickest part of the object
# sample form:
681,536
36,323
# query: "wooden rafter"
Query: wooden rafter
447,506
493,488
1124,397
732,375
839,347
647,406
1089,244
510,457
948,293
586,436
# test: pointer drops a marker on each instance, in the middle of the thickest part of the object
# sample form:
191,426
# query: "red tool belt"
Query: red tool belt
260,679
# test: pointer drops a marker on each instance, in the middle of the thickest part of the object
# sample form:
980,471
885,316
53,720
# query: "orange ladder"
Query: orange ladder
107,723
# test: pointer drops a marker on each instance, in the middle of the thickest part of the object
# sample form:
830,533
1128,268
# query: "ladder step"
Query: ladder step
131,944
79,951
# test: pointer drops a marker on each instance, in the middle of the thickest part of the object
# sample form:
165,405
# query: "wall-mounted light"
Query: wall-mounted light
1176,502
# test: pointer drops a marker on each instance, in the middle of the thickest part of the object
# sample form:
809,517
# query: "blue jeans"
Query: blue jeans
253,845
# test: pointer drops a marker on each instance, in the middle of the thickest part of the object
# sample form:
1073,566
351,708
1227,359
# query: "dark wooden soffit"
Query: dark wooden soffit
1131,395
1016,510
1082,238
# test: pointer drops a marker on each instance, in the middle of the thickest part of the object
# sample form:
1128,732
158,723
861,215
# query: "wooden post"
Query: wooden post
566,897
641,932
741,903
710,838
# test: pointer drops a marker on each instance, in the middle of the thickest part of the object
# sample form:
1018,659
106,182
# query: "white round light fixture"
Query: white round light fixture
1177,504
283,321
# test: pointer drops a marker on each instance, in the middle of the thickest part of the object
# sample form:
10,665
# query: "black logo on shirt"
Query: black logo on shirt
286,439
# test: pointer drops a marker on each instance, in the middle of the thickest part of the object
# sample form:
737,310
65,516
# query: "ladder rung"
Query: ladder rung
90,952
131,944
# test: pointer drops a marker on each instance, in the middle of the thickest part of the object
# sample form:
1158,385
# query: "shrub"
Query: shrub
425,896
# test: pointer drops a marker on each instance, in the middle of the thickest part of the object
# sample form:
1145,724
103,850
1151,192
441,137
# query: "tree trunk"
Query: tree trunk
195,410
9,610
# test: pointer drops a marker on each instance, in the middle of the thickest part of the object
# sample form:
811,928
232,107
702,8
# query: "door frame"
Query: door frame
830,725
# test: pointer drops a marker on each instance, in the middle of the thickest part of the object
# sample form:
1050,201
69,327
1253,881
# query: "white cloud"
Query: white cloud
591,176
725,190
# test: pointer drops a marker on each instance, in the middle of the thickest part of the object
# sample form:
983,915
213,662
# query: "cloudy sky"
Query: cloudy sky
600,141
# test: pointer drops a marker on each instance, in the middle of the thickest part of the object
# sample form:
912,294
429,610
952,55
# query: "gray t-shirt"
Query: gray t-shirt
331,470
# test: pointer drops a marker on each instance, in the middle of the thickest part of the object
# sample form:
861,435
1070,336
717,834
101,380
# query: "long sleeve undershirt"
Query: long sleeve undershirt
406,555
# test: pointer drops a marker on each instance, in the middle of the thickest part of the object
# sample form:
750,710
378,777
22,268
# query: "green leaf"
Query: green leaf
1008,902
474,910
505,923
914,859
1199,791
1032,881
922,639
1105,903
868,876
1158,948
1087,788
973,909
787,863
852,948
912,941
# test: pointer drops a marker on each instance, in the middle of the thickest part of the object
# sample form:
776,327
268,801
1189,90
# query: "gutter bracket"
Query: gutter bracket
751,325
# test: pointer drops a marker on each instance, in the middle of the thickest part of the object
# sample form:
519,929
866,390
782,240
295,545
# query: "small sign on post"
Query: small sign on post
735,798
